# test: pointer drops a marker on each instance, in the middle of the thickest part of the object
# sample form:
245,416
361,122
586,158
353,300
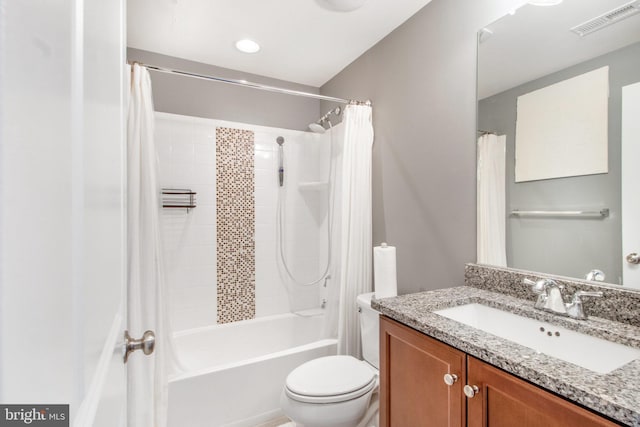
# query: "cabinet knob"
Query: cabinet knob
470,390
450,379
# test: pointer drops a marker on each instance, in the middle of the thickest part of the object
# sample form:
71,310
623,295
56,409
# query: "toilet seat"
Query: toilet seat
330,379
331,399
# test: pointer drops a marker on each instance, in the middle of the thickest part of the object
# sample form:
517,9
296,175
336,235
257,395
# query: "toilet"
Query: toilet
336,391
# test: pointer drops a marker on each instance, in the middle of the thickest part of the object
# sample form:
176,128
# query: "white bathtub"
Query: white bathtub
235,372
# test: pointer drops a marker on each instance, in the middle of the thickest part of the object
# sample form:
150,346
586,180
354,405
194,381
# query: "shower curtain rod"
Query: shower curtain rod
251,85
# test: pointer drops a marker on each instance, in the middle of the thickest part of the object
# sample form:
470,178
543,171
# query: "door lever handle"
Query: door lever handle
147,344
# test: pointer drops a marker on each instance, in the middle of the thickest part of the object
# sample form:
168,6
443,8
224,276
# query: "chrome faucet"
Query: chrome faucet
550,298
549,295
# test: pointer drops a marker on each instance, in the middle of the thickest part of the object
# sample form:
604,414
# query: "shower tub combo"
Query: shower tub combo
235,369
235,372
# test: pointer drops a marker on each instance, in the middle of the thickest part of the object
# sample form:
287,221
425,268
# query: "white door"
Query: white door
62,257
630,179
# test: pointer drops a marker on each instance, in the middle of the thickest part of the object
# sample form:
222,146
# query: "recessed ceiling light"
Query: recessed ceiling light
341,5
545,2
247,46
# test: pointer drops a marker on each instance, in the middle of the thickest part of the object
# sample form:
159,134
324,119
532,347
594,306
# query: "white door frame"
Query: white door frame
629,181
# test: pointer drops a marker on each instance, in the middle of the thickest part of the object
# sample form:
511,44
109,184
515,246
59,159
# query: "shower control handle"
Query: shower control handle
147,344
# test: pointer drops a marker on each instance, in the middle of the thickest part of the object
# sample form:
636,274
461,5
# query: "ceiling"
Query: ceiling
301,42
537,41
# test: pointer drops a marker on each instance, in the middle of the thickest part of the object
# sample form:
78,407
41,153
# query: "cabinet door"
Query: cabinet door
412,390
506,401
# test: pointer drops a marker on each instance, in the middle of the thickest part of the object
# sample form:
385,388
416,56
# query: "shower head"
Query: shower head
317,128
280,140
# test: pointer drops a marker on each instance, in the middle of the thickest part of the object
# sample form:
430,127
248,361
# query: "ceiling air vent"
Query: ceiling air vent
611,17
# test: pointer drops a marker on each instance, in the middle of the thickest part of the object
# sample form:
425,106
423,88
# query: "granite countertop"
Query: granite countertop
615,394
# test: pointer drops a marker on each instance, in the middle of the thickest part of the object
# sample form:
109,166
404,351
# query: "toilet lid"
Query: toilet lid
330,376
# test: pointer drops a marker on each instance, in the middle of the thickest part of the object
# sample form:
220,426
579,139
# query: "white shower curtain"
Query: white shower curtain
356,244
147,375
491,216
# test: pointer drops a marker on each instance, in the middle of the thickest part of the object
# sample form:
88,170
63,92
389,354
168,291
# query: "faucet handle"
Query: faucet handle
579,294
538,286
541,285
575,309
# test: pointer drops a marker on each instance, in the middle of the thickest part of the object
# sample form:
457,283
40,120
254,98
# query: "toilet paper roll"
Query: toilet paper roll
384,271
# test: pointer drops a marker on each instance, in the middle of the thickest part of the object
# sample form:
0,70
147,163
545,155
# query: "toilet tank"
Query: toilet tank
369,330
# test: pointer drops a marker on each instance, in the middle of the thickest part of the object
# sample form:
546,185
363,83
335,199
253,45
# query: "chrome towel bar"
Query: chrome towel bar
602,213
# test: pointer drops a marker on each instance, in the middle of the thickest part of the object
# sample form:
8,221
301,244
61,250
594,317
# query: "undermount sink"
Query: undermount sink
589,352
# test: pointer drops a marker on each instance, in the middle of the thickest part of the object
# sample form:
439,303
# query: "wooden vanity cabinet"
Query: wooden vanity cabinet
413,392
505,400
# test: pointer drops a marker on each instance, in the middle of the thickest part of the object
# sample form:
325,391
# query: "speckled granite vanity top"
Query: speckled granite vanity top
616,394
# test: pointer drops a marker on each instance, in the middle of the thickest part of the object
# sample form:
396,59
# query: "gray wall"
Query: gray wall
200,98
422,81
543,244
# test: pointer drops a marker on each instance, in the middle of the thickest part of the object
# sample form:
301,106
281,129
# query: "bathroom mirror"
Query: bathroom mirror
572,224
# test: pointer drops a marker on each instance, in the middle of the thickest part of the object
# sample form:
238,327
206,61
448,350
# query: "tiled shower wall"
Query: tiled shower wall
187,159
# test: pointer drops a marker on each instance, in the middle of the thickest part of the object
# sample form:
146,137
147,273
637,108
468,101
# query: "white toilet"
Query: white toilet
336,391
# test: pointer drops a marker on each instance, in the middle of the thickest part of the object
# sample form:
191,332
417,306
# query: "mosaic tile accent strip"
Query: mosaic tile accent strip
617,303
235,222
